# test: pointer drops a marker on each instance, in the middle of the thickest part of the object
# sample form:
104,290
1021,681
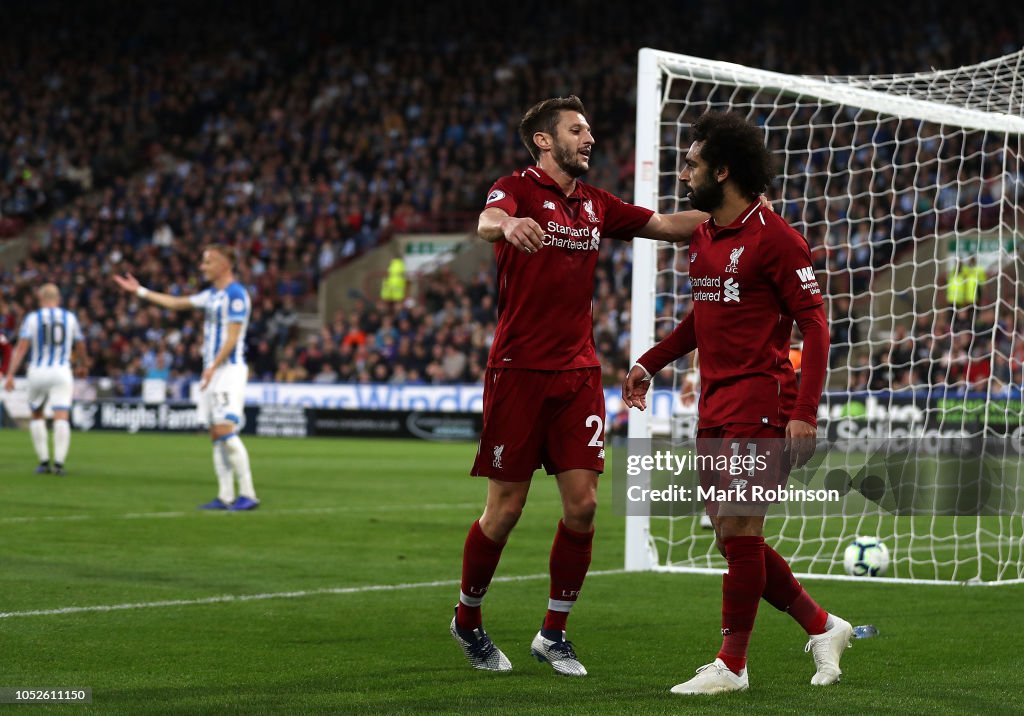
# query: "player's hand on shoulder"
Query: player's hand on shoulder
524,233
635,387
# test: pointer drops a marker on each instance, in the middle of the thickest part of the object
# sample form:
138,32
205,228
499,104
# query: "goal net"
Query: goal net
910,192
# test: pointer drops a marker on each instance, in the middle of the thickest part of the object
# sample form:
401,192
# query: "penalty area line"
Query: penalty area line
235,598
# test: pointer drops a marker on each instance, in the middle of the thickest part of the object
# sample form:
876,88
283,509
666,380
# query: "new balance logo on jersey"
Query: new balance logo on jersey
549,205
734,260
732,290
498,450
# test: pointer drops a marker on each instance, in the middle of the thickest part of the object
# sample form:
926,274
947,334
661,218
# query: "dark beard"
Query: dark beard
567,161
707,197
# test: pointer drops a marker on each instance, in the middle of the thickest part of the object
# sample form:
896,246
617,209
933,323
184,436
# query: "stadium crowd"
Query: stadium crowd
303,148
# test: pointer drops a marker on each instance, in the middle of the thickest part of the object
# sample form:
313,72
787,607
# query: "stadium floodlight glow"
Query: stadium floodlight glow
891,178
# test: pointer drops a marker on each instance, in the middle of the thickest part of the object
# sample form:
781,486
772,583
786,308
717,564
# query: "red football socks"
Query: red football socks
570,560
742,587
480,558
783,592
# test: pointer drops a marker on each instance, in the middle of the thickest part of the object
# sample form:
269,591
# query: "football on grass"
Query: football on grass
866,557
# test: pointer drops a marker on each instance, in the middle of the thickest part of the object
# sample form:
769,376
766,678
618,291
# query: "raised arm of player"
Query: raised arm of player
524,233
681,341
130,284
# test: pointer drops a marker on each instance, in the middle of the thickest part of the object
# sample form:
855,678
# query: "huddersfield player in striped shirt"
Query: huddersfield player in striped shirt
48,337
222,398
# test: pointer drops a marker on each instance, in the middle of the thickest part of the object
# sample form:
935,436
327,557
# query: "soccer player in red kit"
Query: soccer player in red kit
543,399
751,278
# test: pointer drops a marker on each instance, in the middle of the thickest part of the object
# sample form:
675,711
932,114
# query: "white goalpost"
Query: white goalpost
910,191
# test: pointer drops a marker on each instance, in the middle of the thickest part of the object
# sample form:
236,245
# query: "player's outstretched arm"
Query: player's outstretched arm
675,228
524,233
130,284
679,227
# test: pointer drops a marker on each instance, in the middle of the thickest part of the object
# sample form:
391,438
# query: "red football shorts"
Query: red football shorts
535,418
751,466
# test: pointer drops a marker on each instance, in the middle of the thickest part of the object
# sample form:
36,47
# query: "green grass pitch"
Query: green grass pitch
339,516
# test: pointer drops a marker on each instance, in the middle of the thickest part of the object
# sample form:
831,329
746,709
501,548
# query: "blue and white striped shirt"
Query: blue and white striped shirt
52,332
223,306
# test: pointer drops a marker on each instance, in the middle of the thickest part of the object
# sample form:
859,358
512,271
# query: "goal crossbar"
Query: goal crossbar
901,107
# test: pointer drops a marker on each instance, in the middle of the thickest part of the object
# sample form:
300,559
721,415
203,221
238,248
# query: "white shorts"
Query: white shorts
50,384
223,401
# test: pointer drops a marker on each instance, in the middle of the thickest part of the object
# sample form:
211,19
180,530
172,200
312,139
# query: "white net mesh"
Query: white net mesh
910,191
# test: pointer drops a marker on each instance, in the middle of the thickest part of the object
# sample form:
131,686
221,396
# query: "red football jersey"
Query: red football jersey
544,299
749,280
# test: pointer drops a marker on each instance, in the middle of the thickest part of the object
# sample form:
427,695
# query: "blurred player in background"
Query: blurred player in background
544,403
759,273
48,336
222,386
5,353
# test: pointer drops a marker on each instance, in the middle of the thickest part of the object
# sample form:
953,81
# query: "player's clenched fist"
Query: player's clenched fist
523,233
635,387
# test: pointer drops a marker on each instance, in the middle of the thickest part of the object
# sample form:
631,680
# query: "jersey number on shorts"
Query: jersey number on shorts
596,441
221,398
751,450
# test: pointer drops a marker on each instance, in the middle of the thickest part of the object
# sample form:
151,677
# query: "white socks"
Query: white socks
238,459
37,429
230,461
61,440
225,481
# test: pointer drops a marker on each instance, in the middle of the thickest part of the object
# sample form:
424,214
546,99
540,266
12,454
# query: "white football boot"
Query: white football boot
827,649
713,678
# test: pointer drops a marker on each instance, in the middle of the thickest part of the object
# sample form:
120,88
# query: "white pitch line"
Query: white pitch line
268,512
230,598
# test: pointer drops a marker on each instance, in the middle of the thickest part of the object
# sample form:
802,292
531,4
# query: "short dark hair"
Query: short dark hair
729,140
543,117
224,250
